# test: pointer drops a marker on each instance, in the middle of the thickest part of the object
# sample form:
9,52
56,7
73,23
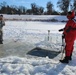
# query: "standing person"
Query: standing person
2,23
69,34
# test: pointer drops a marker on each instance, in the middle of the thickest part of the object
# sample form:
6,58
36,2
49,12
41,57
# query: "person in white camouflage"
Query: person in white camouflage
2,23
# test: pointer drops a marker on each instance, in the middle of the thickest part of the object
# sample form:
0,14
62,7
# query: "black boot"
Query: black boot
65,60
70,58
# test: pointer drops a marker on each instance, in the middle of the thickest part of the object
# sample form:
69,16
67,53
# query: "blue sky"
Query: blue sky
27,3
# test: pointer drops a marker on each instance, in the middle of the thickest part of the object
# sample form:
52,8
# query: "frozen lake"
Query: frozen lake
22,36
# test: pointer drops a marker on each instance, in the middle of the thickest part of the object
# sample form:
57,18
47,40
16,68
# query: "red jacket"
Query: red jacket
71,25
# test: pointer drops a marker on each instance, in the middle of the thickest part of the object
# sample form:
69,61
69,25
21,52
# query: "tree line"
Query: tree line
63,5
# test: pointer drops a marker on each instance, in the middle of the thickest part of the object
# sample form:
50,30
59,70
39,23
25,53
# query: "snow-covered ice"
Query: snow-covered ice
22,36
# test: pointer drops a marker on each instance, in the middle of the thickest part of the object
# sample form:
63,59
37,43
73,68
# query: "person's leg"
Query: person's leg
71,54
1,37
68,49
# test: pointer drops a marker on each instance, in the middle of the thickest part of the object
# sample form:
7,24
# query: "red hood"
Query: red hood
72,15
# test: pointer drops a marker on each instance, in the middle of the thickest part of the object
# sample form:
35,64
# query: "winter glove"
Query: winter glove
63,36
69,28
61,30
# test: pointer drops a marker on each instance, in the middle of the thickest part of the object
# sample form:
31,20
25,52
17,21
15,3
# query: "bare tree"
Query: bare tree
64,5
49,8
74,4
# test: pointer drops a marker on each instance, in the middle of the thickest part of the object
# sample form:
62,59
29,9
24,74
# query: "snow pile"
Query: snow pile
35,66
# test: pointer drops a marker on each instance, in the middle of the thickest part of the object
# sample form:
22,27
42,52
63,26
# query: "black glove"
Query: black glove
63,36
60,30
69,28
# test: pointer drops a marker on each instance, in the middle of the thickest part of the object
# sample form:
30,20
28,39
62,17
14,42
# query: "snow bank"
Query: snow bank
35,17
35,66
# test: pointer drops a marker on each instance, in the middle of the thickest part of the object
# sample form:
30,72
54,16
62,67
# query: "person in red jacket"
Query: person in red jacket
69,34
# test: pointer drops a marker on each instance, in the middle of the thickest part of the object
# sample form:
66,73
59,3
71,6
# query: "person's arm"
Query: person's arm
68,29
